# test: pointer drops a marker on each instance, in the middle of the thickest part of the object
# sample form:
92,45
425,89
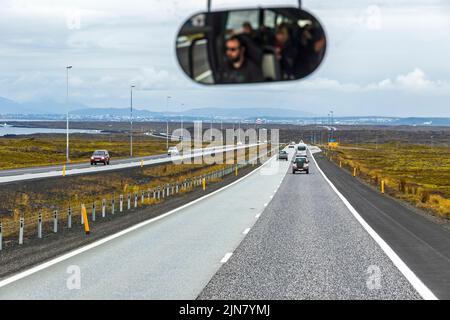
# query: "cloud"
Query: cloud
414,81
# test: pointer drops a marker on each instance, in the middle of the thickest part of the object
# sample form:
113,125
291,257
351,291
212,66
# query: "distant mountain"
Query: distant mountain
248,112
237,113
8,106
115,112
49,107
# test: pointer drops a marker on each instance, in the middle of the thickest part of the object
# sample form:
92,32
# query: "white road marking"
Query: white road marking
246,231
95,244
226,257
258,215
420,287
265,204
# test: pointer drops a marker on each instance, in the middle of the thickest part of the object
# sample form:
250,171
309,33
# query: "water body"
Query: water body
5,130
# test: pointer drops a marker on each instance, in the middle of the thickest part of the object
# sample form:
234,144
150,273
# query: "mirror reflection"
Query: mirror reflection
250,46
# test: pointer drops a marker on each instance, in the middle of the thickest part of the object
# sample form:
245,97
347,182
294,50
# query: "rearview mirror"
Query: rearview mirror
250,45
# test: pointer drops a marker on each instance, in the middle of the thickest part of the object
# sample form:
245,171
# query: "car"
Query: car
300,164
172,151
301,149
283,155
100,156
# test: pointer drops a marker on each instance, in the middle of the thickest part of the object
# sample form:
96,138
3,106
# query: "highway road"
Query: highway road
170,257
43,169
266,236
307,245
83,168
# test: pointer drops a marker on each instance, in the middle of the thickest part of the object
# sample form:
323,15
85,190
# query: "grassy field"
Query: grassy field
50,149
416,173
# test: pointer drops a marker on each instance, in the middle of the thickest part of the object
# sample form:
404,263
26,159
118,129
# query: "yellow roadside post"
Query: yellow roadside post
64,170
142,163
382,186
236,171
340,164
354,171
85,219
204,183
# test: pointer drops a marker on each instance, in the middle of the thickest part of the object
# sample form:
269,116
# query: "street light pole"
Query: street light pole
182,133
239,130
67,115
211,131
131,121
167,123
332,122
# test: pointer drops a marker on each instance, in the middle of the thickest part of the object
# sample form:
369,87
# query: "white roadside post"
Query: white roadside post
69,218
129,201
40,225
121,203
21,226
142,197
81,214
135,200
55,221
103,208
112,205
93,211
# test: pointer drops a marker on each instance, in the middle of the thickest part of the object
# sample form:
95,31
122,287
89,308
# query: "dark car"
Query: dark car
100,156
283,155
300,164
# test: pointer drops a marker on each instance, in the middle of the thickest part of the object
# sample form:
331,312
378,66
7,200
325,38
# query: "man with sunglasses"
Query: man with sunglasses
238,68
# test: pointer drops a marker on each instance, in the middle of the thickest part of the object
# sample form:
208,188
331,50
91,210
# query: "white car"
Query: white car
173,151
301,149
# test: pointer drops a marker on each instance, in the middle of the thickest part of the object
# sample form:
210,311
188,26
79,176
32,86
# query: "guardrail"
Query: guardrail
41,224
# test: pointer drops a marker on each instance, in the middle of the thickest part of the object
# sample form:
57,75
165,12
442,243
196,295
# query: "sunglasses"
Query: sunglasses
231,49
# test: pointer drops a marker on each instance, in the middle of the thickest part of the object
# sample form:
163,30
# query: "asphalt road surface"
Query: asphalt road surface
307,245
171,258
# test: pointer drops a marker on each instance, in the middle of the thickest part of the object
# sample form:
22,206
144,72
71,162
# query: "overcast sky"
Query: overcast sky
387,57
